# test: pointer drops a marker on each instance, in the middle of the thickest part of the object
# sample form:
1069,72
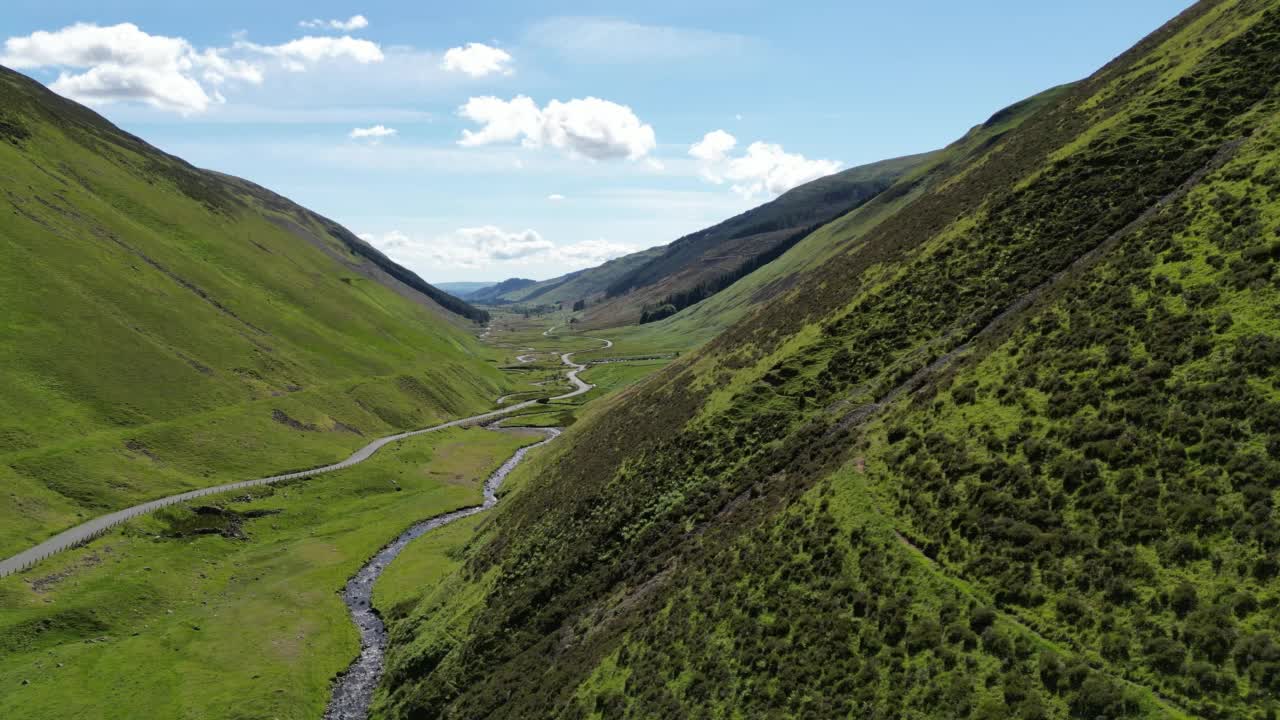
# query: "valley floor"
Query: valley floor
229,605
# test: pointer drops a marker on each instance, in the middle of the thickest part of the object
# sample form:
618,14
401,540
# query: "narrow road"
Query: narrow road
98,526
353,692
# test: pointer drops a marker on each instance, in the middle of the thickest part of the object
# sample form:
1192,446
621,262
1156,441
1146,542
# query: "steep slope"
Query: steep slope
1014,455
167,328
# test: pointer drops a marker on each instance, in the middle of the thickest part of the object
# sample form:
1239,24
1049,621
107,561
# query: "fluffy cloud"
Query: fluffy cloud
122,62
555,197
355,22
465,247
375,133
480,247
713,147
588,127
590,253
763,169
477,60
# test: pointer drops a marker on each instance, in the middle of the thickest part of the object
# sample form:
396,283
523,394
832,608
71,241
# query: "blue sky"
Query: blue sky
484,140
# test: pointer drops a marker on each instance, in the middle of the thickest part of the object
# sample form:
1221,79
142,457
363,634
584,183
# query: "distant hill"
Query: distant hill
580,284
463,289
164,327
619,291
498,292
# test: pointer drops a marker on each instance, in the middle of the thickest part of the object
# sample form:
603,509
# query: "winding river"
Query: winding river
353,692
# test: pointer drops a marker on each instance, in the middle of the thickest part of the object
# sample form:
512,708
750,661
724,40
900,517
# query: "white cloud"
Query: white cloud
604,40
477,60
502,121
713,146
311,49
122,62
375,133
472,247
479,247
763,169
355,22
588,127
555,197
590,253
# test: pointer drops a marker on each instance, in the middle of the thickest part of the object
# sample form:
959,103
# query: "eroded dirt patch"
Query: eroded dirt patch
282,418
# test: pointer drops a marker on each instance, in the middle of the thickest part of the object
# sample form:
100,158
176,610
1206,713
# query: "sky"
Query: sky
486,140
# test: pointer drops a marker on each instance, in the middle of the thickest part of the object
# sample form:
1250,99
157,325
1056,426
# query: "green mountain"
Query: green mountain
1012,451
165,328
496,292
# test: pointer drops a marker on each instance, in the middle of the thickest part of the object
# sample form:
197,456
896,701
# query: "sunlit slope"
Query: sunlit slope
163,327
1012,455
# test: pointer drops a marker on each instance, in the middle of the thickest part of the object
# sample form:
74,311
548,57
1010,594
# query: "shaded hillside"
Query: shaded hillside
814,202
167,327
1014,453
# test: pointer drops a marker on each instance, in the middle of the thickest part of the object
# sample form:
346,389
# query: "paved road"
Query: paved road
82,533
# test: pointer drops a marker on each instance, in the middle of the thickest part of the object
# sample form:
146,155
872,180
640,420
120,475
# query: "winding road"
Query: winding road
98,526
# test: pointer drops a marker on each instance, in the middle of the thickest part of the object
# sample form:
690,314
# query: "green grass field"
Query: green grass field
153,621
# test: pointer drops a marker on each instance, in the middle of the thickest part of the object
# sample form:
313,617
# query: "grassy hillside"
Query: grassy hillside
1014,453
815,201
164,328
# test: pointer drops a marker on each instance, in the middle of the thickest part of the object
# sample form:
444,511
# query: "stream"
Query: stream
353,691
